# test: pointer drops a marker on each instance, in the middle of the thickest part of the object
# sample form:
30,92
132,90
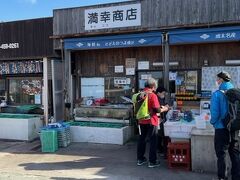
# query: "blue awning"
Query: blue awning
117,41
205,35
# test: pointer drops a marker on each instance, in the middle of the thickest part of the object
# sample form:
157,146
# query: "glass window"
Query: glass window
92,87
116,87
144,75
2,89
186,82
26,90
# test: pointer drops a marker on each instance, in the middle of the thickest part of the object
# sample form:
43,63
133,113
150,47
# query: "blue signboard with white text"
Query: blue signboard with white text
205,35
117,41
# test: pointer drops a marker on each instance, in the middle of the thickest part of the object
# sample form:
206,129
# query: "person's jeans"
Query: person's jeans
148,134
227,142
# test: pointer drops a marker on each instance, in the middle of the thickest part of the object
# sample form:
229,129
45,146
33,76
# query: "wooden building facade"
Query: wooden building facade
26,39
77,25
25,51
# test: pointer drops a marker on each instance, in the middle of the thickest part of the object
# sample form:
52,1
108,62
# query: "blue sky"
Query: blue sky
12,10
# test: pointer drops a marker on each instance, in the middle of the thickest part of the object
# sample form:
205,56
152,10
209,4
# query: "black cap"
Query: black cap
224,75
160,89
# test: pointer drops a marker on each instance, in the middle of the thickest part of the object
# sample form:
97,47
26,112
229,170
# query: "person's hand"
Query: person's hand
168,107
164,108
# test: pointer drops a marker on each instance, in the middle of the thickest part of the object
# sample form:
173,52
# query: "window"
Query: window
116,87
92,87
2,89
186,82
25,90
144,75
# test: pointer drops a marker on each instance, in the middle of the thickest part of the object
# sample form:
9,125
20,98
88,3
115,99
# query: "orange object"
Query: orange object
179,102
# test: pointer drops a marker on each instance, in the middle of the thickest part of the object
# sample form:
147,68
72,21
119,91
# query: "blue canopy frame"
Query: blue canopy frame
116,41
205,35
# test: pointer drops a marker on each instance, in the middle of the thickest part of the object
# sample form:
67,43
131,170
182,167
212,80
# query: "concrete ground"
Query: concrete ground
25,161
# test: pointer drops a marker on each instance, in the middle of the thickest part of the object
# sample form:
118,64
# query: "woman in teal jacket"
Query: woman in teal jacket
224,140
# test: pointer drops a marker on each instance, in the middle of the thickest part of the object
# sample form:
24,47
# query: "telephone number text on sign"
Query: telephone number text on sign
9,46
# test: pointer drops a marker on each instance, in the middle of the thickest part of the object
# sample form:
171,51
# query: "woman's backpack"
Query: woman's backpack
140,101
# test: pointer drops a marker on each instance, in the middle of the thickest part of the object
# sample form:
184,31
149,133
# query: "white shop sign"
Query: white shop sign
118,69
130,71
121,81
113,17
143,65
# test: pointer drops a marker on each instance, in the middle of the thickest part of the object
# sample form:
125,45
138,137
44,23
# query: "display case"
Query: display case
186,85
186,82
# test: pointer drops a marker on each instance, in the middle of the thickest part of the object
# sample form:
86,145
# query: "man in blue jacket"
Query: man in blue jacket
224,140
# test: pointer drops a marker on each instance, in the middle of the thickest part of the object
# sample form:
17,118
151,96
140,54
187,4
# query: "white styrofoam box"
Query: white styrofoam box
200,122
20,129
178,129
101,134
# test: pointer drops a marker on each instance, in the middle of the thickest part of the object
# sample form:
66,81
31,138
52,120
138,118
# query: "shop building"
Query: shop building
111,49
25,53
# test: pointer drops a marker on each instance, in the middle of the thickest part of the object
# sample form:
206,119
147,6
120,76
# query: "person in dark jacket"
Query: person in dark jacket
162,139
224,140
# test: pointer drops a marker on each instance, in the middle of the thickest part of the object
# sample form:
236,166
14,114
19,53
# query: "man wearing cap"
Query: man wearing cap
222,140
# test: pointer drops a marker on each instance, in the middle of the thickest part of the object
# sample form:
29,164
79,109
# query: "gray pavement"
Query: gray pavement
23,160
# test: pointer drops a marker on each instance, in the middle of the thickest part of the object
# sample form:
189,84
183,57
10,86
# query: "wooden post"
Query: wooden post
68,84
45,90
166,65
166,62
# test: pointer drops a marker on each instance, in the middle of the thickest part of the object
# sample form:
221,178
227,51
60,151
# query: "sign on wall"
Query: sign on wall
143,64
9,46
113,17
130,66
21,67
118,69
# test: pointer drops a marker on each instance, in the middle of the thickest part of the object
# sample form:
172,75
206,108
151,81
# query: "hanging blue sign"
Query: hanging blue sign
117,41
206,35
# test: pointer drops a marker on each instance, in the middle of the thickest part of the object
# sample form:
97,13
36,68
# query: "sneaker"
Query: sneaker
153,165
141,162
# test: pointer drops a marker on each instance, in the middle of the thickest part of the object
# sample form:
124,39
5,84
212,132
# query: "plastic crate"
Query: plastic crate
63,135
49,140
179,155
67,130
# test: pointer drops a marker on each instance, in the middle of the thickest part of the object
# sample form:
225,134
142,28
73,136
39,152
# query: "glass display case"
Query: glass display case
186,82
186,85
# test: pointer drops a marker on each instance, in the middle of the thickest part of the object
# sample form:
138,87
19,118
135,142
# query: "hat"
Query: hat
224,75
160,89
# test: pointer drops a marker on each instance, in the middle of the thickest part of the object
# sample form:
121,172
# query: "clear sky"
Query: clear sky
12,10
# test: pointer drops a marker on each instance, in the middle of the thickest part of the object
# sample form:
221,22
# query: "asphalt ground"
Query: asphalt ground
25,161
